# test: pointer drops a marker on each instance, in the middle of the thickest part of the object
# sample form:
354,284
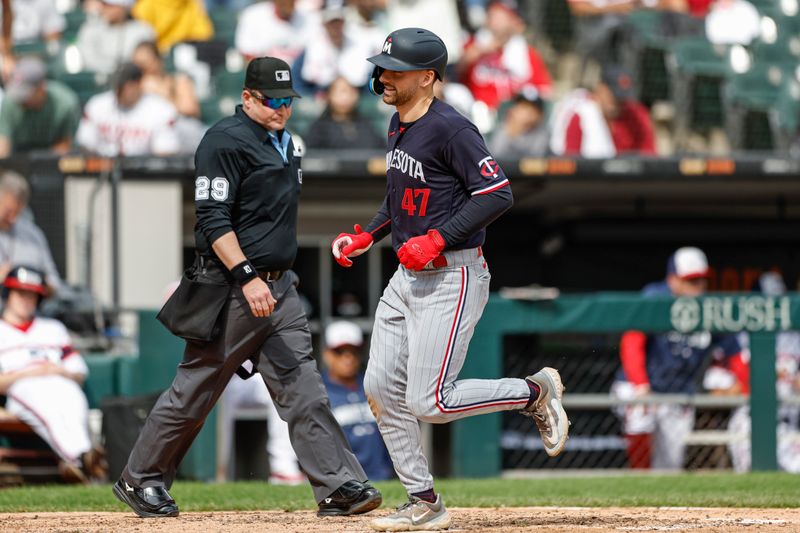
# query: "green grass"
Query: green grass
702,490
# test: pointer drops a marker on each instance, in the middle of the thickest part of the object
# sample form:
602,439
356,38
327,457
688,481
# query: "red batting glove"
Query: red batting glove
419,251
348,245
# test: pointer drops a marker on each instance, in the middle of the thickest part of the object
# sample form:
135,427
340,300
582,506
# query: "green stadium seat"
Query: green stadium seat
764,5
85,84
224,21
785,115
645,55
228,83
697,70
214,109
749,99
75,20
31,48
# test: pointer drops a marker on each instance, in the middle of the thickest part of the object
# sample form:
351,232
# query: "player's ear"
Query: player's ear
429,79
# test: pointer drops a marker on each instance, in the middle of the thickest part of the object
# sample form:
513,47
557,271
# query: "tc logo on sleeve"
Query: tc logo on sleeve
489,167
282,75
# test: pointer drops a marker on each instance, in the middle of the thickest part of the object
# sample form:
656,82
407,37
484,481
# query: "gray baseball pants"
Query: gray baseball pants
282,346
423,325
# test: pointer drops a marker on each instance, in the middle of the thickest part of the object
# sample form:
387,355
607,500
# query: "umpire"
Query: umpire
238,302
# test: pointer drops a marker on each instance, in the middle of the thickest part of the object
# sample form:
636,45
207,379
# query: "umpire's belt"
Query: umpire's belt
207,261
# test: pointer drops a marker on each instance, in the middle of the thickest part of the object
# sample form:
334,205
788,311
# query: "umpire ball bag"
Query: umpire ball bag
193,310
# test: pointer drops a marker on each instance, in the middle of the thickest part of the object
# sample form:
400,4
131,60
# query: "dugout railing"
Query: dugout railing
475,450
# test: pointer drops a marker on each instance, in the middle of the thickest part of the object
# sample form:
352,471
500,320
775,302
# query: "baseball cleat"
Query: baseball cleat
415,515
547,411
151,502
351,498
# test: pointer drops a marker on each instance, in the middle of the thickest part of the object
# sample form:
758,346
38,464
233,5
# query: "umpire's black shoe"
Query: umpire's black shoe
351,498
152,502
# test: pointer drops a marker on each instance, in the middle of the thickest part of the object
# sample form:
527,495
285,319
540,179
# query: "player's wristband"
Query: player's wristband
244,272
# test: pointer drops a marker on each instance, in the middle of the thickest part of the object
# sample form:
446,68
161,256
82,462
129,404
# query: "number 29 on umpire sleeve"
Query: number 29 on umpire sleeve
217,188
410,197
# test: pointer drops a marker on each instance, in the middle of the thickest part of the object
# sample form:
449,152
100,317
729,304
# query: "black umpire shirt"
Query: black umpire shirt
248,181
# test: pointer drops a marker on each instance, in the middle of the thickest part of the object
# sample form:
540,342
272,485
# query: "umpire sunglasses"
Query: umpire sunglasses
272,103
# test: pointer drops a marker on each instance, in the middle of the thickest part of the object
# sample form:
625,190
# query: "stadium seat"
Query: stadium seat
644,55
785,115
228,83
85,84
214,109
224,21
75,20
748,100
697,70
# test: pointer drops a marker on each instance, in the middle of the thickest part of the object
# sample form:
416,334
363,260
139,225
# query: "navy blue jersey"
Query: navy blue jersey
435,167
352,412
675,360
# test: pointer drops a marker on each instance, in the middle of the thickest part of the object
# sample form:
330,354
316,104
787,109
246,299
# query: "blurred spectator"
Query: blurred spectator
787,371
253,393
344,381
108,39
21,241
438,16
177,89
670,363
175,21
366,21
127,121
523,132
733,22
341,126
599,27
275,28
36,20
334,52
42,374
498,61
602,123
37,114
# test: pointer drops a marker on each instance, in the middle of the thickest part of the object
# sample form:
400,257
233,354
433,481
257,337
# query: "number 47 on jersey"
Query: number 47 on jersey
413,197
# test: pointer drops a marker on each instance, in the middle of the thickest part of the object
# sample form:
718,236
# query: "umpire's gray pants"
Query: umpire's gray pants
282,344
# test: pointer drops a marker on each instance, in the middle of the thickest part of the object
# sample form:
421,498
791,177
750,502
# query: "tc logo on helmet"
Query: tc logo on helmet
387,46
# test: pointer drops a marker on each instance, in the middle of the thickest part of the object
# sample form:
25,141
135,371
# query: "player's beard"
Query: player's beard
399,97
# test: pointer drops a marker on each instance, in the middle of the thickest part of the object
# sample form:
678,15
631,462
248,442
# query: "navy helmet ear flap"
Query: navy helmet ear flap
375,85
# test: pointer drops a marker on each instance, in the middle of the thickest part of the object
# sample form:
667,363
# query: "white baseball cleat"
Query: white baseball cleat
547,411
415,515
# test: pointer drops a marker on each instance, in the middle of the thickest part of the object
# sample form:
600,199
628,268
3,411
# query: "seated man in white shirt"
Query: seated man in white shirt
41,374
127,121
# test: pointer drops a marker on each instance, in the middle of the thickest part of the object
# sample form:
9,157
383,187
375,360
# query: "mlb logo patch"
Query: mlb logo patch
282,75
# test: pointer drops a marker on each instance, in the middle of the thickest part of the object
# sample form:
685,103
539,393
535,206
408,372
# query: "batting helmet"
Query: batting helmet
24,278
409,49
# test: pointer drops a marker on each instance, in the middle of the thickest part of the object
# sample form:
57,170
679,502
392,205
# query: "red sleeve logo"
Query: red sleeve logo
489,167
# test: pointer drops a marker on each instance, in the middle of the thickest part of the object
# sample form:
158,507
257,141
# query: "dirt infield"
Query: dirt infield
540,519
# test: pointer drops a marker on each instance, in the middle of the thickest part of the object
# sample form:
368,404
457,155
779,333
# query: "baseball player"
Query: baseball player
443,189
669,363
41,374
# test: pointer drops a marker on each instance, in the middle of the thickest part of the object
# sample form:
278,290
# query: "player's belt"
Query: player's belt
441,260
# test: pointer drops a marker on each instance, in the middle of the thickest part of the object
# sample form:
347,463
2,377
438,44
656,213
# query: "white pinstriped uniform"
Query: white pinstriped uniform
423,326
